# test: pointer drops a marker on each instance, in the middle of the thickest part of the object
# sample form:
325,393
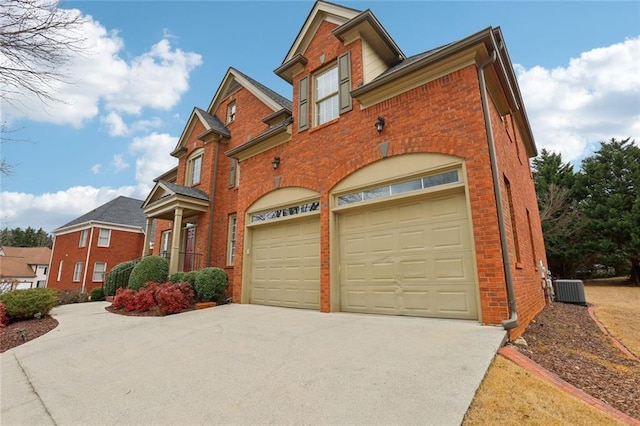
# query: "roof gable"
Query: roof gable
213,127
321,11
164,189
234,79
119,211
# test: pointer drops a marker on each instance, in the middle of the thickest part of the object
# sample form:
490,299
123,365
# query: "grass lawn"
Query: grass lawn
510,395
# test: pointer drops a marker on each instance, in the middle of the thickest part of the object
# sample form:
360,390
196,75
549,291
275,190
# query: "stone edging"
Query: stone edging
551,378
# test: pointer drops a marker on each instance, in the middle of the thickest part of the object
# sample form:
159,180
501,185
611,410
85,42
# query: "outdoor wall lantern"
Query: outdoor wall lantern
275,162
379,124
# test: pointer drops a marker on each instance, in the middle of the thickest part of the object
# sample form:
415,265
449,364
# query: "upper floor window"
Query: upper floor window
329,96
194,168
104,238
83,238
326,96
231,112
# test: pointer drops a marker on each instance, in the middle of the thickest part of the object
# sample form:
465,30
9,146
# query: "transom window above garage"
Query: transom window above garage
286,211
399,188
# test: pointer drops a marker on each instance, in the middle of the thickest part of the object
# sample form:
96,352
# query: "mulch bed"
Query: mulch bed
566,341
19,332
153,312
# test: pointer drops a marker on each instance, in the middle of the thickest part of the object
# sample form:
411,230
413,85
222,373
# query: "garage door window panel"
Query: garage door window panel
285,212
400,188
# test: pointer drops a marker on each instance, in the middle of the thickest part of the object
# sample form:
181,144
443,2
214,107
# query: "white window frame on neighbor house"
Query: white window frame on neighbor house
194,167
83,238
231,112
99,272
326,95
231,238
102,238
77,272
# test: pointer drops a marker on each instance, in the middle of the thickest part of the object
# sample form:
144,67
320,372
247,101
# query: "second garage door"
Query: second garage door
408,258
285,264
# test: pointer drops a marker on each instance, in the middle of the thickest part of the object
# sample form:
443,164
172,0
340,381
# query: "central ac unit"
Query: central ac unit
570,291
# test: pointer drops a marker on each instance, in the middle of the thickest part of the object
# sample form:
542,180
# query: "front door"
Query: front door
189,249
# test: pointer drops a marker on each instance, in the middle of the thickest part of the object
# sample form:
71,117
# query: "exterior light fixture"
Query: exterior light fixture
379,124
275,162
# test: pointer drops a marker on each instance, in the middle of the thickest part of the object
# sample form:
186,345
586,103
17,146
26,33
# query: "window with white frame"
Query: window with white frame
326,96
83,238
77,272
104,237
231,112
99,269
231,250
194,168
165,243
60,269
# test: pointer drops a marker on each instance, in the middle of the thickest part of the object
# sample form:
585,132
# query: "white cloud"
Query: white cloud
153,158
116,125
99,75
95,169
596,97
52,210
118,162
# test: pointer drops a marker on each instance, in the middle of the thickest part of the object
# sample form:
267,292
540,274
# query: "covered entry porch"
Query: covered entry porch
183,206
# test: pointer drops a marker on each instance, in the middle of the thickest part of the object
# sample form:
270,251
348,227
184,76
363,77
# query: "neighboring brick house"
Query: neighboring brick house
89,246
23,267
391,184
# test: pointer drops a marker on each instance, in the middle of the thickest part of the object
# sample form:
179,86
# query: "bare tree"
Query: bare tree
37,40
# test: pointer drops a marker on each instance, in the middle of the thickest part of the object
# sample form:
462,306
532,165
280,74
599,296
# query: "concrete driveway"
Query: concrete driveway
245,364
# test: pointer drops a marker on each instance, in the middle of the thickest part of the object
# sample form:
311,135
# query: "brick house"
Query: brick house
88,246
390,185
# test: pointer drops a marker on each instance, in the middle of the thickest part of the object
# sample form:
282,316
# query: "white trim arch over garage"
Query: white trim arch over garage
282,250
402,239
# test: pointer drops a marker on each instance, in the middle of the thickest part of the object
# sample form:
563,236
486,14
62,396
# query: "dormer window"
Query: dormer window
326,96
231,112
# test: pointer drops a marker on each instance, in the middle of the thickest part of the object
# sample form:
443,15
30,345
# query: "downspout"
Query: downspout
512,322
213,200
86,266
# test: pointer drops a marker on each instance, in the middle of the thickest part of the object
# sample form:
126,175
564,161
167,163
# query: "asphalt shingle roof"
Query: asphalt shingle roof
120,211
281,100
187,191
15,267
214,122
32,255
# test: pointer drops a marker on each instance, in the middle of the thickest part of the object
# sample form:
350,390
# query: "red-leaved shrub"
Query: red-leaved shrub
4,320
145,298
125,299
187,292
170,299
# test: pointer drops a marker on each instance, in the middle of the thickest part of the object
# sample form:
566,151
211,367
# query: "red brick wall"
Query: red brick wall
123,246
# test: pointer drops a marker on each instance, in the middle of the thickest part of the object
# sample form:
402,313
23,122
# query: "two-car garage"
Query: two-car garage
399,245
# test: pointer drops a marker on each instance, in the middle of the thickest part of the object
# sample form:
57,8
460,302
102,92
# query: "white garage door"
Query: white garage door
409,258
285,264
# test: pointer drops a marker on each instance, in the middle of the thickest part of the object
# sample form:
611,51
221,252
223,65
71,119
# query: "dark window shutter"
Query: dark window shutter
232,173
303,104
344,75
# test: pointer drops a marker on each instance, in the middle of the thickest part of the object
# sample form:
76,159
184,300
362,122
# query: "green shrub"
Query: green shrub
97,294
151,268
178,277
24,304
118,277
211,284
66,297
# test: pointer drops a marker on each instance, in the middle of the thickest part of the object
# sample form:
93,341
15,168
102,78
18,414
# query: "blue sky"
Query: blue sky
150,62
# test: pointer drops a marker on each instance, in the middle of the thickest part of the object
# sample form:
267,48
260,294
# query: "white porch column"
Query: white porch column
147,236
175,241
